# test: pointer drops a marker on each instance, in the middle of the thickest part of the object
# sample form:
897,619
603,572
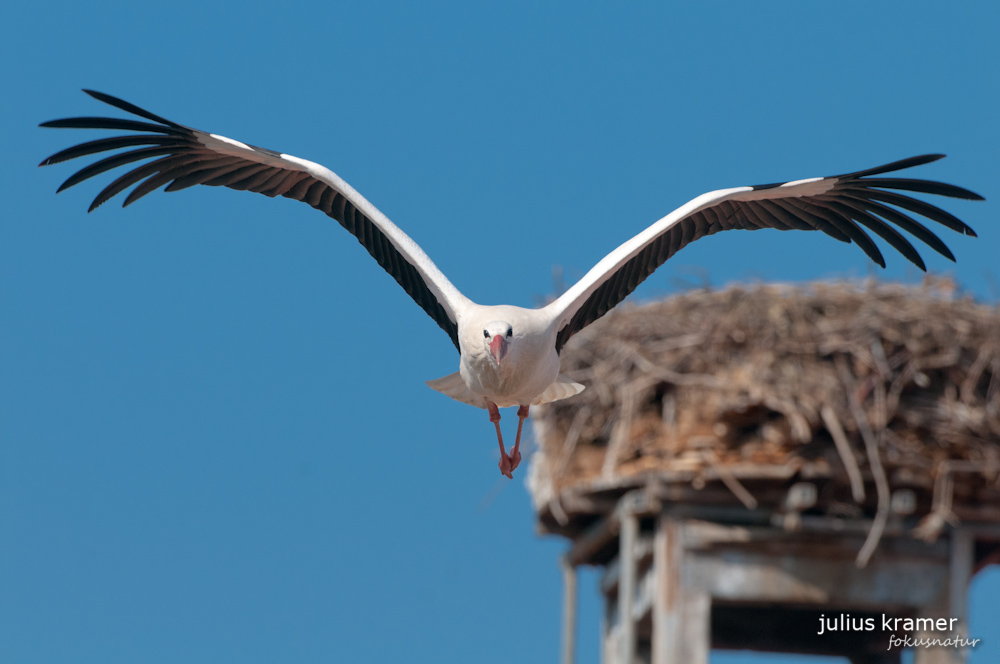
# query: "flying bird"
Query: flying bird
509,356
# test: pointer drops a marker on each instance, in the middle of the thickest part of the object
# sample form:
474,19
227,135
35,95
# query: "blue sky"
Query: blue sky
215,440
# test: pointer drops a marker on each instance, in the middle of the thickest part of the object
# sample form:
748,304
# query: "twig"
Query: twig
730,480
627,397
930,526
871,446
994,388
944,493
879,359
899,383
846,453
975,373
645,364
556,507
572,437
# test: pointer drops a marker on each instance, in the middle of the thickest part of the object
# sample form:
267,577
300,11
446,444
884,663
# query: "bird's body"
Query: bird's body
509,356
530,366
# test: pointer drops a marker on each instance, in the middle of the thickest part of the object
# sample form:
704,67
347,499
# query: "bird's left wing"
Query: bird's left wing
183,157
838,205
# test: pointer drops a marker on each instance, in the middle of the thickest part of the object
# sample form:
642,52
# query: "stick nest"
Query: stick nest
871,385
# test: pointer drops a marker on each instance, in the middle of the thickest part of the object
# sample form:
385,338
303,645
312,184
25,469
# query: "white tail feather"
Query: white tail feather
561,389
453,386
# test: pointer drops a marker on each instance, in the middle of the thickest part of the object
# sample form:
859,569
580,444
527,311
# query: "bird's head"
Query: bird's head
497,337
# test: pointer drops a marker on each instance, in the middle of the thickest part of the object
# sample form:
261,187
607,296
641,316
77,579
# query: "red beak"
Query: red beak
498,347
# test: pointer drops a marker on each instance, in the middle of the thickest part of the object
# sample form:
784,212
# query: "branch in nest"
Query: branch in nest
874,461
846,453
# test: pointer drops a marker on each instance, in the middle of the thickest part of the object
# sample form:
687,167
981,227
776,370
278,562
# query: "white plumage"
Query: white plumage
509,356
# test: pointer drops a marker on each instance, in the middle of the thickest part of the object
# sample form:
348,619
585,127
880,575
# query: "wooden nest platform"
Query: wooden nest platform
861,400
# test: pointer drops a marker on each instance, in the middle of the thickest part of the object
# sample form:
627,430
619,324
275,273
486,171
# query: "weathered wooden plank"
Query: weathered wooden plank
767,577
596,537
626,586
681,613
569,612
612,571
952,603
701,555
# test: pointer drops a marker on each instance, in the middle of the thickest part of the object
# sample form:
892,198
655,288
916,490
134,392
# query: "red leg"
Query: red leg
515,454
505,467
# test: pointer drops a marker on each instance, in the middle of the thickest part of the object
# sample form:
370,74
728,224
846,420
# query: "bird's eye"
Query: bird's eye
486,334
510,332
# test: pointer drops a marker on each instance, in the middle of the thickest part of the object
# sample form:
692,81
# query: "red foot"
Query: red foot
515,453
515,460
505,461
507,466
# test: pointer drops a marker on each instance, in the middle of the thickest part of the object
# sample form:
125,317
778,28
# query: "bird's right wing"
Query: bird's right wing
183,157
838,205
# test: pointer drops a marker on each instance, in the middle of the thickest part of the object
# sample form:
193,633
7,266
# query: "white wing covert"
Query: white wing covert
183,157
838,206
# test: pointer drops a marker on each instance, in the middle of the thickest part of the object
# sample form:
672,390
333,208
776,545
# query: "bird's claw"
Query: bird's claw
505,466
515,459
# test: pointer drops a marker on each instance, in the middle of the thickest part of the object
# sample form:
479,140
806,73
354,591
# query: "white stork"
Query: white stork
509,356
